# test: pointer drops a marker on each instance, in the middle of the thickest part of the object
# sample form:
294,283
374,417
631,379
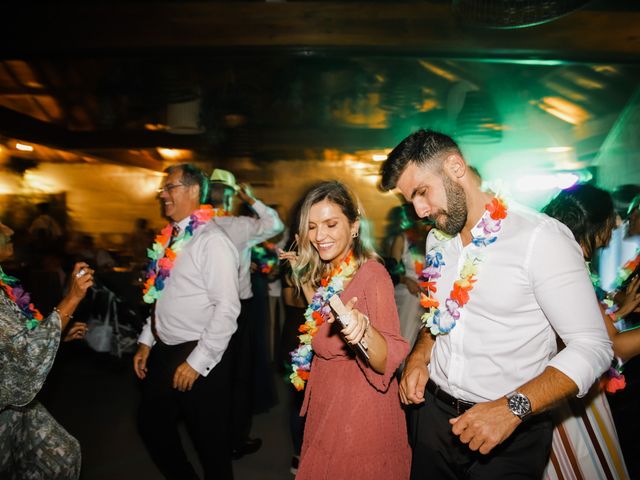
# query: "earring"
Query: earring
355,234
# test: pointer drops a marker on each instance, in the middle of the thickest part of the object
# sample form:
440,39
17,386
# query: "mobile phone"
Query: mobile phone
339,309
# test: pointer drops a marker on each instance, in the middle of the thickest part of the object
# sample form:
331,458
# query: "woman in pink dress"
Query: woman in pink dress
355,427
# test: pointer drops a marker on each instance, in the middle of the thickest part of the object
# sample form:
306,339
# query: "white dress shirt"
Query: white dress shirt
531,284
245,232
200,300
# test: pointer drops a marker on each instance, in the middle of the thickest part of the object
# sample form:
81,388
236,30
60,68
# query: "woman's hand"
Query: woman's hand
356,323
81,280
631,298
77,331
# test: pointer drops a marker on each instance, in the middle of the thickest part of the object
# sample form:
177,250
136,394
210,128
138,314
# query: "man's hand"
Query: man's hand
414,380
411,285
485,425
184,377
140,361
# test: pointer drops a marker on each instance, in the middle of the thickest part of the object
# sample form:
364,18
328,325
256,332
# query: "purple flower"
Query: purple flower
431,272
22,298
489,225
453,308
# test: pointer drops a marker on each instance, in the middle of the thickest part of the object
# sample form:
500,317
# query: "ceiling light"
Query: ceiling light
173,153
23,147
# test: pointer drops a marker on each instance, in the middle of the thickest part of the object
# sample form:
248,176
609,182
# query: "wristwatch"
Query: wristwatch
519,404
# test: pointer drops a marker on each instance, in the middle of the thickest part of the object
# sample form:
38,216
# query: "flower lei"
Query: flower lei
22,299
613,379
626,270
163,256
315,315
265,256
442,322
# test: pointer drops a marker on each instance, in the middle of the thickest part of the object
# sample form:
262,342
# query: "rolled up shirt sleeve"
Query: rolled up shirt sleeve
564,292
266,226
219,270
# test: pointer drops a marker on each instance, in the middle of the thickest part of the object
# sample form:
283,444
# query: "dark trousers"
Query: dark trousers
438,454
205,410
241,350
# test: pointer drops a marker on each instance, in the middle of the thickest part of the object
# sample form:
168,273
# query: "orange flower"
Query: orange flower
303,374
612,385
149,283
497,209
429,286
460,294
36,314
428,302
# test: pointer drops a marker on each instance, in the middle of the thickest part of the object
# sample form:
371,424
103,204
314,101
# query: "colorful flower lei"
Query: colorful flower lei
265,255
442,322
613,379
315,315
626,270
163,256
22,299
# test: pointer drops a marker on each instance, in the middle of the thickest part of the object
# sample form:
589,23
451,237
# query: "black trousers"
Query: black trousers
242,379
438,454
205,410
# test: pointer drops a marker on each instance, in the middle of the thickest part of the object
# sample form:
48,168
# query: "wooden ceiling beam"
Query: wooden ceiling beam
417,28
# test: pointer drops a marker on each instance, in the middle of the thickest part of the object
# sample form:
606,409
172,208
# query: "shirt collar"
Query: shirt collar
182,224
478,229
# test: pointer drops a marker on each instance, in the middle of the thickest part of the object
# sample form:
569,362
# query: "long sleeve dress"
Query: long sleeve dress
355,427
32,444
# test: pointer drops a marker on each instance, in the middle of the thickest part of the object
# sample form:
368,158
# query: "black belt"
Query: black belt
459,406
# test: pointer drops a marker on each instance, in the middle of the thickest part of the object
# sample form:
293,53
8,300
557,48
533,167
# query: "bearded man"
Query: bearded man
502,281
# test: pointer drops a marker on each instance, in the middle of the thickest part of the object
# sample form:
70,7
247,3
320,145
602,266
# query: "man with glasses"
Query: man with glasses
192,284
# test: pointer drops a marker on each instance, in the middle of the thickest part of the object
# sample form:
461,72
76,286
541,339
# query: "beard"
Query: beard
455,216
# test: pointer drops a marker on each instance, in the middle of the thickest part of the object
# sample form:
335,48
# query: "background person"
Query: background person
32,444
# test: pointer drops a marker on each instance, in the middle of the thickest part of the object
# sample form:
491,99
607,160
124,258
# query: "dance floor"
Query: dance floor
95,397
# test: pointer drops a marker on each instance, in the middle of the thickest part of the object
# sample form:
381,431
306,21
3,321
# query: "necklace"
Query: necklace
22,299
315,315
626,270
441,322
163,254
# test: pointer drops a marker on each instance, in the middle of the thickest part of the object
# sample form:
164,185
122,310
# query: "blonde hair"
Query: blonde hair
310,268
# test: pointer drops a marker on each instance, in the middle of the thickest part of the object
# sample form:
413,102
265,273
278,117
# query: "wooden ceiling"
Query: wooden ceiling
289,79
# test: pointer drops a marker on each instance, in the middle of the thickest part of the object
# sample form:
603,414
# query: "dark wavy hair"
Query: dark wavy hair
424,147
192,175
587,211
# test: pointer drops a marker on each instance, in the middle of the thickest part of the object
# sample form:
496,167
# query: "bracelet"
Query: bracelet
364,342
62,315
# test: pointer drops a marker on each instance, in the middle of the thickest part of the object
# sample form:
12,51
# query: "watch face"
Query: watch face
519,404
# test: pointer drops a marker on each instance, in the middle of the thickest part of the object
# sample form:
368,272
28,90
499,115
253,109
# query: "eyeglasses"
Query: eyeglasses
170,186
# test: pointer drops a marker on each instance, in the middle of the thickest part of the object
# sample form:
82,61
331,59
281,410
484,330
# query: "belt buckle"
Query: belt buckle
458,406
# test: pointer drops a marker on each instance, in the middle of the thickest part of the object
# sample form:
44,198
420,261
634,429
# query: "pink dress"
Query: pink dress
355,427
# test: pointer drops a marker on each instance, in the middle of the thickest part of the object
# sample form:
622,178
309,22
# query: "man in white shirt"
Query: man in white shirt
245,232
182,355
503,282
